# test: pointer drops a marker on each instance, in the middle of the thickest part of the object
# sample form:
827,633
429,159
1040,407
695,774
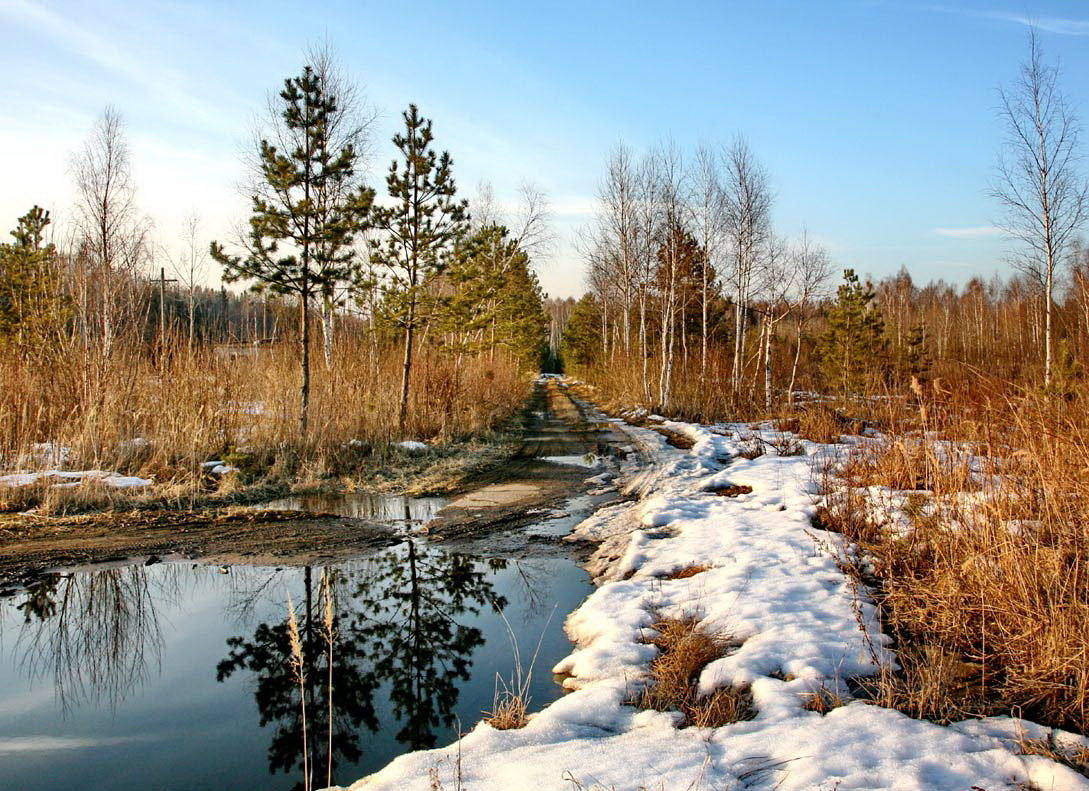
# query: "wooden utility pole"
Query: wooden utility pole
163,280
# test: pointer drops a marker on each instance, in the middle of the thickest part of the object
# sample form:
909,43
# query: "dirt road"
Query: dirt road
503,498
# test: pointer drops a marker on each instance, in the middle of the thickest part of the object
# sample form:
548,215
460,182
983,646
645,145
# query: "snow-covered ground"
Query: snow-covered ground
774,587
62,479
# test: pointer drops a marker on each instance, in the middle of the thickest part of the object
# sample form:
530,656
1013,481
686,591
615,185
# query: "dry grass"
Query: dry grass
912,464
750,448
1075,757
823,699
509,711
685,649
162,418
687,571
817,423
987,593
933,683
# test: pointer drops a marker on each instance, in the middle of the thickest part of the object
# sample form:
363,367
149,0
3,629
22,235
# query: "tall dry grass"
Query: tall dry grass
163,416
989,583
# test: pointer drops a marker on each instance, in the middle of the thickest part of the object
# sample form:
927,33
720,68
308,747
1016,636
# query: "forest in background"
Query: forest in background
371,315
958,413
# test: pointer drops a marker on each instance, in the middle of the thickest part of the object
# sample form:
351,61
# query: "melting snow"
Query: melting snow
72,478
588,460
772,584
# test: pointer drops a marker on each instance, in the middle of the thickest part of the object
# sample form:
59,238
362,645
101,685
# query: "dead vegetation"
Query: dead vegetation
824,699
687,572
731,490
1075,757
162,418
685,649
985,587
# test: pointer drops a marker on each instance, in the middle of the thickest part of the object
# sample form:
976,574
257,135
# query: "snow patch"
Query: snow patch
769,585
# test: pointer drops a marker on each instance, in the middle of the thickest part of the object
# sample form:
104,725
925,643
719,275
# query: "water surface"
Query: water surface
180,676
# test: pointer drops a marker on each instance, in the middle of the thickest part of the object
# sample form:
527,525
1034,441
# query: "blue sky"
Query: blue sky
875,119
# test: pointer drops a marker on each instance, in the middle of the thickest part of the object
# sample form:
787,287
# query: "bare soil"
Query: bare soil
496,497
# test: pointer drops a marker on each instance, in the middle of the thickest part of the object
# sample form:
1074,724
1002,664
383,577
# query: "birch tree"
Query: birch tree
710,210
748,212
112,230
189,267
1043,196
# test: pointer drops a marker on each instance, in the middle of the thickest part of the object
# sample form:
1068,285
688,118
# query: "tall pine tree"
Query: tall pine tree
32,304
300,238
853,349
420,228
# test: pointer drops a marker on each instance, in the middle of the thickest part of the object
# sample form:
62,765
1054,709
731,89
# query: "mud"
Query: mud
499,498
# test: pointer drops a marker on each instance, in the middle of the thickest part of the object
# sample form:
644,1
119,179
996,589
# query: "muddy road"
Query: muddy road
560,440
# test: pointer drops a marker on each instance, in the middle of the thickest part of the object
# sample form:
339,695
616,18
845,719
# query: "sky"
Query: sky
877,120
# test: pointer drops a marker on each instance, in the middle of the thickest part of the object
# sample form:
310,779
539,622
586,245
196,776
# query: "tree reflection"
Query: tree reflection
407,612
97,634
394,627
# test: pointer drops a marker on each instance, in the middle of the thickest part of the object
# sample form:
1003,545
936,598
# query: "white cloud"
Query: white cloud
1064,26
41,744
168,84
976,232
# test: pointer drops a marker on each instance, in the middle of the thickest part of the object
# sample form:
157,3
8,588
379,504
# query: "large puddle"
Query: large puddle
183,676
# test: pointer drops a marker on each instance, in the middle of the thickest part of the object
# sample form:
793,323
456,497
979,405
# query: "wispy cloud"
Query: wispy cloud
80,40
1065,26
976,232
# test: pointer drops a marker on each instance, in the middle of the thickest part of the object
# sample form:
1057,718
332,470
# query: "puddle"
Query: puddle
178,676
363,505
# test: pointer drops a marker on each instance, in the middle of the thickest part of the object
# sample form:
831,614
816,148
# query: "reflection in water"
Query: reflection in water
110,678
97,635
392,625
389,508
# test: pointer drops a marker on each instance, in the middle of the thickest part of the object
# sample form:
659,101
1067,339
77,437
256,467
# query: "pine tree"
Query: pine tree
420,230
300,241
581,342
32,305
916,359
853,348
494,298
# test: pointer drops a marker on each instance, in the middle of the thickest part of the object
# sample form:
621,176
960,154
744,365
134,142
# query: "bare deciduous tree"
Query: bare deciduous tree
1044,198
189,266
748,201
709,206
112,230
812,274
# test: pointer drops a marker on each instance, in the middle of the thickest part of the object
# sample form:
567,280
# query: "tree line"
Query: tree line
696,297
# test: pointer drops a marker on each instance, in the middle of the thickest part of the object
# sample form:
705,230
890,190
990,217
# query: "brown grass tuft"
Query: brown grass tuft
509,711
1075,757
687,571
823,699
674,675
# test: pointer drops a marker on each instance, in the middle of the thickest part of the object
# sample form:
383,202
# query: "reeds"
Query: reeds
163,416
986,587
511,700
298,670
